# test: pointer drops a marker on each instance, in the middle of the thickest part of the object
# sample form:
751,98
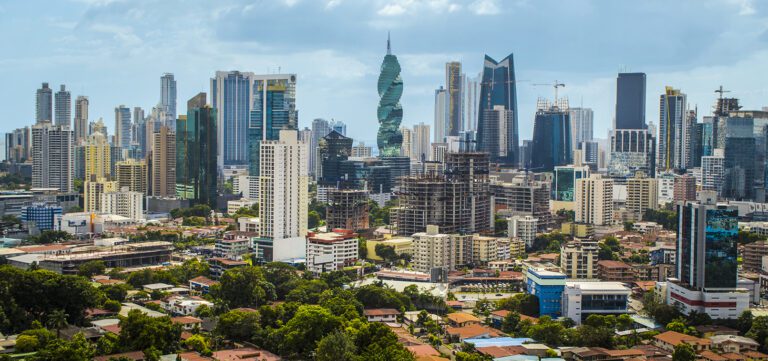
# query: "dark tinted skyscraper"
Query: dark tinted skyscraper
630,101
551,138
389,112
196,147
498,93
274,109
453,85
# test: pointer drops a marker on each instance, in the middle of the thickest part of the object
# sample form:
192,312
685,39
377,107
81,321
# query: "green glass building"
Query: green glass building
390,112
196,152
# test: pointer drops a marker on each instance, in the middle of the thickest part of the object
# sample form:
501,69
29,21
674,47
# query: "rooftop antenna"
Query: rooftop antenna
389,46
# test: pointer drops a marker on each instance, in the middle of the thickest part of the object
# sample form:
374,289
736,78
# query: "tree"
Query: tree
510,323
112,305
386,252
379,297
91,268
759,331
483,308
302,333
57,320
27,343
500,225
679,325
337,346
376,341
281,275
466,356
47,237
76,349
684,352
238,325
141,332
244,287
547,331
198,343
203,311
313,219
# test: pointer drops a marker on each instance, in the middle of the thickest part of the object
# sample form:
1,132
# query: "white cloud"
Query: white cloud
485,7
746,7
291,3
332,4
392,9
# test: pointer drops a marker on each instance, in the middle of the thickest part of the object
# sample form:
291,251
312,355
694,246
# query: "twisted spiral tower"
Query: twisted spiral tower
390,112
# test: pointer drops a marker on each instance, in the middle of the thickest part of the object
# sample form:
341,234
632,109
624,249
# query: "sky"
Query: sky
115,51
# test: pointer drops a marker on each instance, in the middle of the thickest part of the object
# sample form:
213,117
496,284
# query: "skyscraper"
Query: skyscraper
498,92
63,115
122,127
140,130
406,147
168,99
283,186
196,170
740,152
441,113
390,112
453,88
420,146
81,119
164,163
630,101
98,161
672,112
132,174
231,96
582,120
339,126
551,137
52,158
44,104
320,128
470,95
632,150
274,109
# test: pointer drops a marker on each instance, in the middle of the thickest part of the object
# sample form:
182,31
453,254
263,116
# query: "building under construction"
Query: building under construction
458,201
347,209
524,195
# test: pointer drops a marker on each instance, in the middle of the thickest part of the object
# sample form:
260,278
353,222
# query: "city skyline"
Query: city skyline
96,47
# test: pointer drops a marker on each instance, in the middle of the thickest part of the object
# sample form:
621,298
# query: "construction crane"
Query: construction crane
721,91
556,85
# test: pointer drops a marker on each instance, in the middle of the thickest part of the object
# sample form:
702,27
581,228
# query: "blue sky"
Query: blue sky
115,51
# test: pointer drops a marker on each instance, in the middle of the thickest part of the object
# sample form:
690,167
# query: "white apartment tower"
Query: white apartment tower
283,187
52,156
594,200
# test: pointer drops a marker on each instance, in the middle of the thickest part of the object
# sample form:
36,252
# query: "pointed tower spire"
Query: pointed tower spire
389,47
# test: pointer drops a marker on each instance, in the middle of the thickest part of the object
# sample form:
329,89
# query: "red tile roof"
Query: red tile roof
381,312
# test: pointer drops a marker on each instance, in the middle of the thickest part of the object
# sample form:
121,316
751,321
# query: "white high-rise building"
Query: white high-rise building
420,144
94,191
470,94
360,150
407,146
52,156
441,113
523,227
432,249
713,171
81,119
63,107
283,187
168,99
594,200
124,203
582,120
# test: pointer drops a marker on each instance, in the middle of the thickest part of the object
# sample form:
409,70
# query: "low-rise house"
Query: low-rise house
245,354
475,330
498,316
201,284
756,356
381,315
461,319
668,340
733,343
181,305
618,271
187,322
161,287
220,265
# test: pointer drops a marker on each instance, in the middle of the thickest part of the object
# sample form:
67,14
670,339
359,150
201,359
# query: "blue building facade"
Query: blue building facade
548,287
42,214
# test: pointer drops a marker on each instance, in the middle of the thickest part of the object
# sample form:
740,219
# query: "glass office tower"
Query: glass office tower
498,111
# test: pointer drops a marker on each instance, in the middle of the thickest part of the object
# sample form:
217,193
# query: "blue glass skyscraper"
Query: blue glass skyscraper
274,109
231,96
497,132
551,139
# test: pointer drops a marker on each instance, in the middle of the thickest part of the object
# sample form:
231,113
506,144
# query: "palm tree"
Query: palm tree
57,320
